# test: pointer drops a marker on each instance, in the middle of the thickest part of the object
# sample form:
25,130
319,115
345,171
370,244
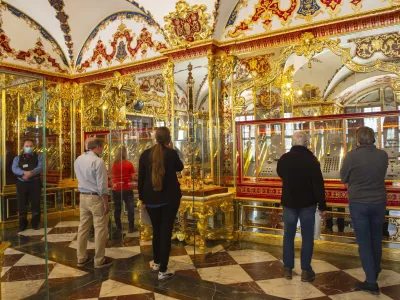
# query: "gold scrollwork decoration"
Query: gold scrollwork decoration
224,65
187,24
30,94
386,44
310,46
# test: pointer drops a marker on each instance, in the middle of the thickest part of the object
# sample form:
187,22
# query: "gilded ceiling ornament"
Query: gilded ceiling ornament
310,46
36,56
152,82
264,10
308,10
121,50
187,24
387,44
333,6
35,25
257,65
232,18
356,5
216,14
224,65
120,16
61,15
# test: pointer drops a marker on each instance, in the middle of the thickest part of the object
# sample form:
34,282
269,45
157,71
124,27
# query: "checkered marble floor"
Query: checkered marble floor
246,270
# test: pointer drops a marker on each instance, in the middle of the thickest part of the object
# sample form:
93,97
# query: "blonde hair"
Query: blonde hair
163,137
120,154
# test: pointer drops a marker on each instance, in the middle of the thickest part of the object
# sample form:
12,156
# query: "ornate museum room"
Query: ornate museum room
88,86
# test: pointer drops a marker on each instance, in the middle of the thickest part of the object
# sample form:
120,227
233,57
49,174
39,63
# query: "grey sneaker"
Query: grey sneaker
165,275
307,276
287,273
155,267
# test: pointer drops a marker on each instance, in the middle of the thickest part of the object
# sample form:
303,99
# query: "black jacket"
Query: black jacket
302,181
171,188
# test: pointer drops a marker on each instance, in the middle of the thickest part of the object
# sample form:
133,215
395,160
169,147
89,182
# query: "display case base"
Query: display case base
322,246
50,216
206,191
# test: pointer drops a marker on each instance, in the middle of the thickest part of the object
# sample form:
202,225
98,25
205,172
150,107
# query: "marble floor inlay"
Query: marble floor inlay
236,271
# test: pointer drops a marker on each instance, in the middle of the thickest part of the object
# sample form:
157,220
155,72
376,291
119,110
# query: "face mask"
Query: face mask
28,150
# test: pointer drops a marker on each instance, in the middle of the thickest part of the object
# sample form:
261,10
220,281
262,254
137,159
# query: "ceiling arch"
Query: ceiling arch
37,48
71,26
102,25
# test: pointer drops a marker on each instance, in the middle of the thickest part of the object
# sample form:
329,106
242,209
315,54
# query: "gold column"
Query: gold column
168,74
224,67
3,144
18,123
211,78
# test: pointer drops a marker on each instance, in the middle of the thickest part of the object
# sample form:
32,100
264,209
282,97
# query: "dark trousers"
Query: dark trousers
29,190
162,219
367,220
127,197
340,221
307,222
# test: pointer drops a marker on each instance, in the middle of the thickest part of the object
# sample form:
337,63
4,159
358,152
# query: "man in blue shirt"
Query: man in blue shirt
27,167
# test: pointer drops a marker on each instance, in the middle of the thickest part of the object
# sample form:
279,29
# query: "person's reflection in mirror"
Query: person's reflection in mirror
27,167
10,154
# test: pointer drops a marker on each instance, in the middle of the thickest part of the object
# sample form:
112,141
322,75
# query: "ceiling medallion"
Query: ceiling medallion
187,24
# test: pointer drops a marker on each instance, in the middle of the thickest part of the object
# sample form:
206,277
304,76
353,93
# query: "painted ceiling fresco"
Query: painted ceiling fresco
79,37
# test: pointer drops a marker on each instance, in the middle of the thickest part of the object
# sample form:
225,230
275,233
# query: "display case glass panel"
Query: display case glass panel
353,124
269,149
328,141
390,143
291,128
249,150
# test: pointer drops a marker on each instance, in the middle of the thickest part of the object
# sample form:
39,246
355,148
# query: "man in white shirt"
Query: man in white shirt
92,178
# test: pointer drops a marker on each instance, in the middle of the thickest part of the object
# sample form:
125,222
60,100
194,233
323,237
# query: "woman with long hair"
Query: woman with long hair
123,174
159,189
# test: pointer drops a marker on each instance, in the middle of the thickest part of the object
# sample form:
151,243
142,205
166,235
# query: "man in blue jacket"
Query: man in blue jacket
27,167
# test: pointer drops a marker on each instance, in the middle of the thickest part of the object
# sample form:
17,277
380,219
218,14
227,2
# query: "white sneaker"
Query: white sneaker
165,275
155,267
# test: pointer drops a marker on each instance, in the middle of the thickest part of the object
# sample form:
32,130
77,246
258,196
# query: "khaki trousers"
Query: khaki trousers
92,212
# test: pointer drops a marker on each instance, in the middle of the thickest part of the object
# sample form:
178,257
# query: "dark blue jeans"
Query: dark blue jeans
127,197
307,221
367,220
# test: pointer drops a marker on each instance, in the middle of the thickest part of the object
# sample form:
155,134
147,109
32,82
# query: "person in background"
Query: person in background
27,167
364,171
94,208
123,175
302,190
159,190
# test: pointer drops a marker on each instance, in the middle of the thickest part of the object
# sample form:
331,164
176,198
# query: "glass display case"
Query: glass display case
136,140
261,144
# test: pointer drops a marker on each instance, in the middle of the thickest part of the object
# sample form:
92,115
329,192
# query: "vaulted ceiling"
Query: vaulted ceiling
77,37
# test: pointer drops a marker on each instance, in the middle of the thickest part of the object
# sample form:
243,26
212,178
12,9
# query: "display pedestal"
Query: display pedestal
201,211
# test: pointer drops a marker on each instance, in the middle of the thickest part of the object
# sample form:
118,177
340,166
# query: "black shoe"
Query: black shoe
82,264
133,230
371,288
23,224
307,276
36,227
106,263
21,229
287,273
